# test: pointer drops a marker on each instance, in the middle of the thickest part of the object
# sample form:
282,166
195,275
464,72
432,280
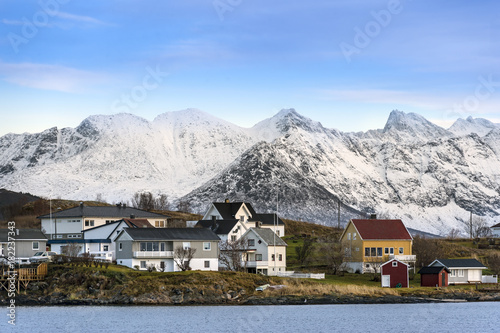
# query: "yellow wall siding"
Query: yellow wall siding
352,241
396,244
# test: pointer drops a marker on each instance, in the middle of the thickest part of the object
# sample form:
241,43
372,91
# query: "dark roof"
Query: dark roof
269,236
137,223
496,226
222,227
432,270
78,241
103,211
171,234
381,229
228,210
23,234
268,219
464,263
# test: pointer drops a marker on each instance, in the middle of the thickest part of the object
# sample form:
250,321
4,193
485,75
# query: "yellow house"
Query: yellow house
370,242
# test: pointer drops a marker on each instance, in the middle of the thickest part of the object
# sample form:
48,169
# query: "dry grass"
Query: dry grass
298,287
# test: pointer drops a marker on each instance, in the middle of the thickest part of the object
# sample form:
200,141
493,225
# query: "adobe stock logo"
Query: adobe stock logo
223,6
364,37
139,93
30,28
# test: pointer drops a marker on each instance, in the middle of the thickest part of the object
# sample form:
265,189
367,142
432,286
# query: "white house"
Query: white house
462,271
70,223
99,241
244,212
495,230
265,252
231,230
142,248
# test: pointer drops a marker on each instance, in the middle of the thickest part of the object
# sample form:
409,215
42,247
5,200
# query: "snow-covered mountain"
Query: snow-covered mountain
412,169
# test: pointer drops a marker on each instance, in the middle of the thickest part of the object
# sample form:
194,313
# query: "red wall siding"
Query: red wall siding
431,280
398,274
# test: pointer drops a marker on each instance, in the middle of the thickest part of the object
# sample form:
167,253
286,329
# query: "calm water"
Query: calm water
454,317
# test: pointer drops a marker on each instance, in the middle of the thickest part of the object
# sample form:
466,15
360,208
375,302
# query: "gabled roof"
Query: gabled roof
496,226
137,223
433,270
267,219
102,211
373,229
24,234
389,261
458,263
228,210
221,227
171,234
269,237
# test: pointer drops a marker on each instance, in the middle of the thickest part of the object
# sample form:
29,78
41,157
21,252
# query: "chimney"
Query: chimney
118,205
81,204
124,205
373,216
132,216
227,200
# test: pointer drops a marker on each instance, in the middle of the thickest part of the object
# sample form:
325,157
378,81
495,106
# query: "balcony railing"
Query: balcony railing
403,257
154,254
252,264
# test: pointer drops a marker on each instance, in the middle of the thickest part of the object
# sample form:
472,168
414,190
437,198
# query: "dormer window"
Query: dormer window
242,218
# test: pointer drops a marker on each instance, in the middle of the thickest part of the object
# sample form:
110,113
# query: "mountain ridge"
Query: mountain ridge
412,169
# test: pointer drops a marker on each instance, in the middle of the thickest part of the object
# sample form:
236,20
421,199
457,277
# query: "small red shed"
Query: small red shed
394,274
434,276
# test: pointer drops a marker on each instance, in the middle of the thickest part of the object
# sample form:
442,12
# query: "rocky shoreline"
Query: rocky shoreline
194,296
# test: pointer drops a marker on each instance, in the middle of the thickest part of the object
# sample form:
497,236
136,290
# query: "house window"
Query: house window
280,257
272,257
149,246
105,248
347,252
379,252
251,242
207,264
35,246
354,236
59,236
348,236
373,252
89,223
394,264
401,250
357,249
120,246
233,238
207,246
186,245
159,224
453,273
278,232
143,264
367,251
162,247
242,218
258,257
460,272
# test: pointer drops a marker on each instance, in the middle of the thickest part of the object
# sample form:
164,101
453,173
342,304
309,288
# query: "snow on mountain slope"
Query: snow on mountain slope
470,125
412,169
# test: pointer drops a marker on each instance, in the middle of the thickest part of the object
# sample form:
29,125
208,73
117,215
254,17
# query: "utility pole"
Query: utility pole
470,226
338,223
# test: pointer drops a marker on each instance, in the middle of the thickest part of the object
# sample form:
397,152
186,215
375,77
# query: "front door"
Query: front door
386,281
443,280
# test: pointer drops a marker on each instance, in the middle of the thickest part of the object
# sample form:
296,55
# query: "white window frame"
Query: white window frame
207,246
401,250
120,246
37,245
460,273
186,245
207,264
251,242
394,264
353,236
143,264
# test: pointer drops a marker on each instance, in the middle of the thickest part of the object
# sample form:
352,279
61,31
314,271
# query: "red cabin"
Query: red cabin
434,276
395,274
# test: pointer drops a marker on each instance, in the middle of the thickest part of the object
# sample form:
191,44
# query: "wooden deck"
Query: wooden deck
22,277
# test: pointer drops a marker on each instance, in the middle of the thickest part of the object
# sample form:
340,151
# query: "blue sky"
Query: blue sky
345,63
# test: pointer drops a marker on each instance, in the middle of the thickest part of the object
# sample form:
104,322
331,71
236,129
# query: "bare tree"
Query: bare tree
427,250
476,227
304,252
162,202
184,206
183,256
334,255
454,233
143,201
231,254
71,250
494,262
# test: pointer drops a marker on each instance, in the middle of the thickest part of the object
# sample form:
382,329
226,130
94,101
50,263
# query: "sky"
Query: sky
345,63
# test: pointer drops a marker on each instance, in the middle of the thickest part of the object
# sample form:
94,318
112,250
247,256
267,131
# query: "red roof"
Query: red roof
381,229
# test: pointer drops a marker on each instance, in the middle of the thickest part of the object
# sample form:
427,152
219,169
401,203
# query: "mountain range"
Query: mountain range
430,177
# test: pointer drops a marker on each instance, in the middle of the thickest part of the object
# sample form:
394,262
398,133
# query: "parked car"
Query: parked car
42,256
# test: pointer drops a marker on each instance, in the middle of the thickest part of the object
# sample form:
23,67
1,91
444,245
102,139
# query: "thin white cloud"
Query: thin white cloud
12,22
80,18
50,77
